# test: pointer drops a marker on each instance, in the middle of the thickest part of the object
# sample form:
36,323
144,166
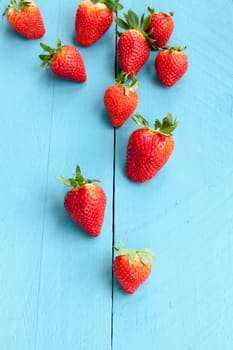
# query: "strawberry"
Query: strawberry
134,45
93,19
132,267
171,63
149,149
121,100
85,203
160,27
25,18
64,61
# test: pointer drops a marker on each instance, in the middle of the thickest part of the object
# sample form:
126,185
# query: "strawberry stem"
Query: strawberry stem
77,181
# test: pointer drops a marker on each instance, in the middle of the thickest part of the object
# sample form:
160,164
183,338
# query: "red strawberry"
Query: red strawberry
121,100
132,267
93,19
25,18
149,149
160,27
85,203
134,45
64,61
171,64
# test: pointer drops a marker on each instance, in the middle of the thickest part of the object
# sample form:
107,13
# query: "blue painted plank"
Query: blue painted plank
24,148
75,297
56,288
185,213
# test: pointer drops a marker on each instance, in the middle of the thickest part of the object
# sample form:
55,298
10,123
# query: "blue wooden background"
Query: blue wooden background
56,286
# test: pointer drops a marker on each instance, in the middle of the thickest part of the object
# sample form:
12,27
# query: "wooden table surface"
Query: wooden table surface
56,285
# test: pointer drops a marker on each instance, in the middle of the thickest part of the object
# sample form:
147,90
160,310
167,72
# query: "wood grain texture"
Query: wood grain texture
55,281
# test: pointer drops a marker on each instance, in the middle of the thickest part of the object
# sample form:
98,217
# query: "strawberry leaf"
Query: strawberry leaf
146,22
142,20
59,43
132,18
167,131
131,256
46,59
46,47
121,78
174,48
146,255
158,124
78,171
77,181
121,23
150,10
113,5
167,126
121,251
132,85
141,121
129,253
16,7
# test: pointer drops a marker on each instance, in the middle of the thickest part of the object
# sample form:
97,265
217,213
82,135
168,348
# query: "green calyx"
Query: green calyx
152,11
145,255
173,48
47,58
132,84
132,21
113,5
20,6
165,128
77,181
